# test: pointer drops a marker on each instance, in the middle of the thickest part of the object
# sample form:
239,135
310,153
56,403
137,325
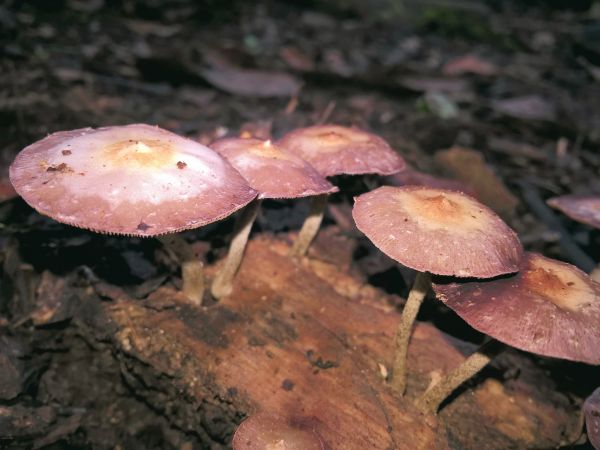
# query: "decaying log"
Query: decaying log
311,342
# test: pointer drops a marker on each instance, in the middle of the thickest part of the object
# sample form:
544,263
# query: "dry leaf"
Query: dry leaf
469,64
296,59
411,176
528,107
252,83
6,190
432,84
469,167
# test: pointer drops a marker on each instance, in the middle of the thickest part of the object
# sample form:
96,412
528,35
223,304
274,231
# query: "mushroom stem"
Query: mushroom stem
417,293
223,282
192,274
192,270
310,227
433,397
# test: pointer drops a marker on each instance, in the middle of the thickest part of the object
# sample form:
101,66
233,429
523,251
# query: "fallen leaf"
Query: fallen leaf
410,176
469,64
53,301
6,190
252,83
516,148
147,27
439,105
12,352
469,166
336,63
297,59
198,97
528,107
18,420
432,84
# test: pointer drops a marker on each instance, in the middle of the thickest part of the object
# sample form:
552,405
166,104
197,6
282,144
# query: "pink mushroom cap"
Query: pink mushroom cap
582,208
549,307
439,231
264,431
137,180
337,150
272,171
591,409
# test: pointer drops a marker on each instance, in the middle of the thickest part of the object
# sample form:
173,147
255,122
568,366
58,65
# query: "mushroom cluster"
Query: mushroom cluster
336,150
141,180
274,173
480,271
548,307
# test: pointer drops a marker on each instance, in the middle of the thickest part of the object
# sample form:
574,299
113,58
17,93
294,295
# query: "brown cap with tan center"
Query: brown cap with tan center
582,208
337,150
136,180
438,231
273,172
265,431
550,308
591,409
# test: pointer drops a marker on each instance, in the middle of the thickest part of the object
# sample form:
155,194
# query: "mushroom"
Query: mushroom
549,308
337,150
265,431
135,180
274,173
582,208
591,410
434,231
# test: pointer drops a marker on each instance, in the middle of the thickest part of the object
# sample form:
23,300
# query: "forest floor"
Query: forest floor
516,87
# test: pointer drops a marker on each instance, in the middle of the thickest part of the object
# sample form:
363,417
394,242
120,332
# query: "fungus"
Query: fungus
591,410
582,208
274,173
264,431
549,308
336,150
434,231
134,180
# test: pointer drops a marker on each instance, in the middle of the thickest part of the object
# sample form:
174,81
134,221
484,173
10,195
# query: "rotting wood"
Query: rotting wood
288,341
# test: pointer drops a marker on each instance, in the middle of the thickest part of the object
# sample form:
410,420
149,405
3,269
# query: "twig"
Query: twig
533,199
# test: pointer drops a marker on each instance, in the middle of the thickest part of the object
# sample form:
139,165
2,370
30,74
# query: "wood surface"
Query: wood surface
311,341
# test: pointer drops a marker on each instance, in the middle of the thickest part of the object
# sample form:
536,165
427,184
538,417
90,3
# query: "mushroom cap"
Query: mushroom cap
582,208
273,172
591,409
337,150
137,180
549,307
265,431
439,231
